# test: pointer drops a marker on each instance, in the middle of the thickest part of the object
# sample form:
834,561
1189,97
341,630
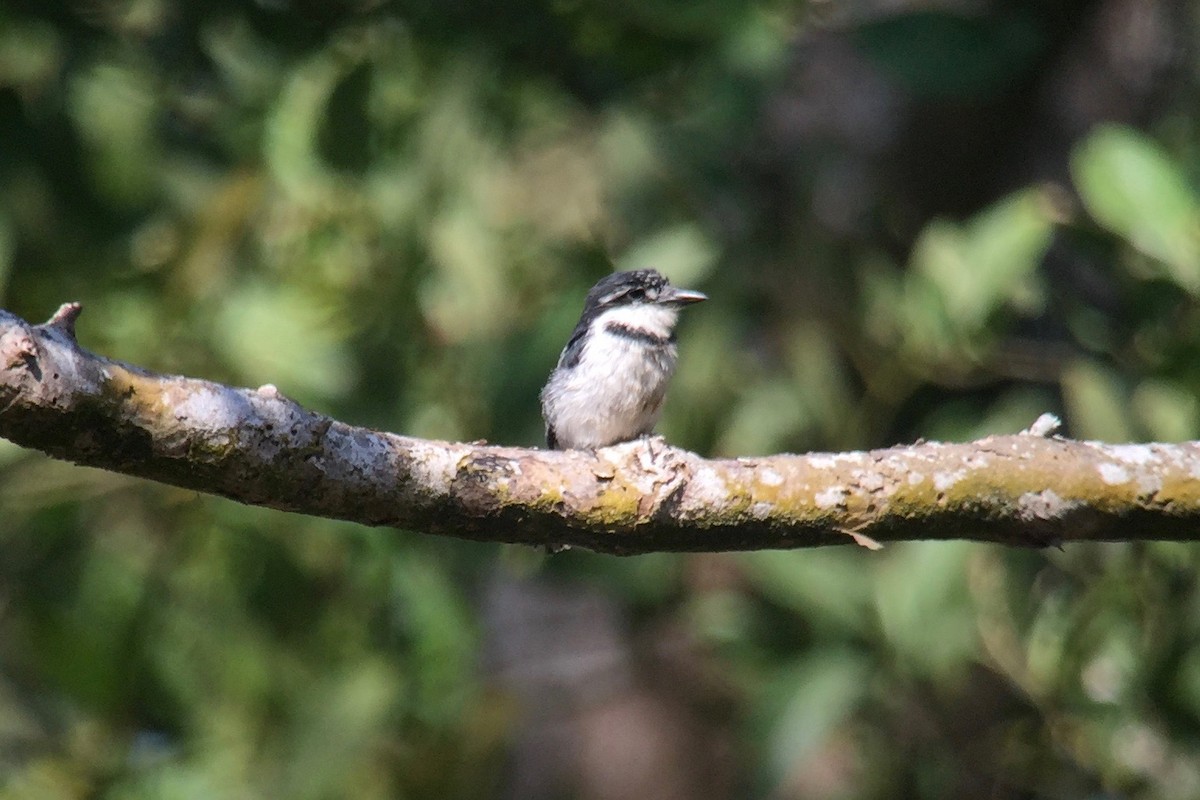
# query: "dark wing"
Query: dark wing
574,349
568,359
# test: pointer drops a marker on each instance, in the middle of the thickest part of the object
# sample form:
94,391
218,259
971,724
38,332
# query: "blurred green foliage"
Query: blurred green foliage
392,212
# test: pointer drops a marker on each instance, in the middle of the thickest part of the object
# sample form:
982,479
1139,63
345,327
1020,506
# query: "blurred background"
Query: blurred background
915,219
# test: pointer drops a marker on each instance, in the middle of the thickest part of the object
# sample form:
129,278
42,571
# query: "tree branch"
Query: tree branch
259,447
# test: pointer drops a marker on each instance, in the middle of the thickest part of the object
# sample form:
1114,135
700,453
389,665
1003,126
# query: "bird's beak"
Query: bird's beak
681,297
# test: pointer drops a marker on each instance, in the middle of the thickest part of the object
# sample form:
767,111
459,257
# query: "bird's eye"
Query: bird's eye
636,294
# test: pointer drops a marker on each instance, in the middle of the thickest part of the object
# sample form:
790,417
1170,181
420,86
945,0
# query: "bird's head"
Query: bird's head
640,287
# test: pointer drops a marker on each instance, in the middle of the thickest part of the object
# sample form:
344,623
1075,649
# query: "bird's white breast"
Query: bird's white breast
616,391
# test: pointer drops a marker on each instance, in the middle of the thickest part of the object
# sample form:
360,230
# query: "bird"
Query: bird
612,376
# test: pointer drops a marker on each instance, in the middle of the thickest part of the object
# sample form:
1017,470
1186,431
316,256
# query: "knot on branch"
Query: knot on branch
64,318
17,349
1044,426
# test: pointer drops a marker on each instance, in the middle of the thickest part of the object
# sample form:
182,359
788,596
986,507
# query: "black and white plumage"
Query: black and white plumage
612,376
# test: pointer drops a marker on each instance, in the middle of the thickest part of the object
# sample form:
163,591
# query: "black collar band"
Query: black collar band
637,334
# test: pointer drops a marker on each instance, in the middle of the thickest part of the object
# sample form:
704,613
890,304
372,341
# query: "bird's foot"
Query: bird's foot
655,443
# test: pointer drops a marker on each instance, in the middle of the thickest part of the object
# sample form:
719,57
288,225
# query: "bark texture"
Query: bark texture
257,446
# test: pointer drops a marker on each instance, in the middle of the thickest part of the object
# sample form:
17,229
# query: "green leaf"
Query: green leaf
816,696
681,252
990,261
1133,188
1167,411
935,54
922,582
828,587
285,336
1097,404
